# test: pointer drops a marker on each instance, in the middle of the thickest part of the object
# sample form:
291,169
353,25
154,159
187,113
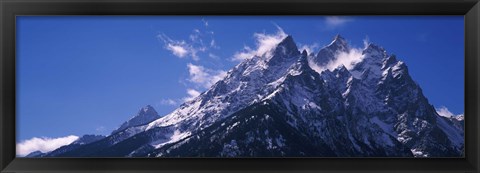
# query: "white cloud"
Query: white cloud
333,22
366,41
343,58
177,50
444,112
213,44
246,53
211,55
169,102
267,42
348,59
203,76
309,48
205,22
195,35
100,129
43,144
191,94
264,42
199,41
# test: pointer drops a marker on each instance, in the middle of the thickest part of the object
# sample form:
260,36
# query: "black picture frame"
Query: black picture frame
9,9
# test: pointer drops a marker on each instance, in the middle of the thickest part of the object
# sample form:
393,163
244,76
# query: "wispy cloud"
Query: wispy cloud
101,129
179,50
264,44
211,55
169,102
205,22
199,41
192,93
347,59
204,77
366,41
312,48
246,53
333,22
43,144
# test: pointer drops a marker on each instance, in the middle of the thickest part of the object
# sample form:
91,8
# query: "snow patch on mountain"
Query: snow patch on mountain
444,112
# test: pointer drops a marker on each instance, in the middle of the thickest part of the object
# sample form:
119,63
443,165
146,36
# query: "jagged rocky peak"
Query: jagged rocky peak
288,42
277,105
286,50
374,60
339,40
375,51
391,60
147,110
341,70
146,115
400,68
304,53
327,53
338,44
287,47
301,65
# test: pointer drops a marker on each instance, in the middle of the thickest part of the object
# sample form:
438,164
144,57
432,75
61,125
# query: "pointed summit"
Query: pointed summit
288,40
373,48
287,46
328,53
338,36
304,53
302,63
148,110
286,51
145,115
375,59
338,39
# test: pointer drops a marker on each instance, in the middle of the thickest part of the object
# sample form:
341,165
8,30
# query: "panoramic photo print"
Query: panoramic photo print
240,86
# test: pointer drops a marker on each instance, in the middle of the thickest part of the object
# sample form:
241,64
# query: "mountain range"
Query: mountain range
291,103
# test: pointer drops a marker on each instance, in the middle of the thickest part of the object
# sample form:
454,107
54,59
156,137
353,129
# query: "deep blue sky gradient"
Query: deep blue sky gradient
87,74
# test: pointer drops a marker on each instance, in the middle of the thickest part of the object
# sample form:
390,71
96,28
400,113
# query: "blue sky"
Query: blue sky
87,74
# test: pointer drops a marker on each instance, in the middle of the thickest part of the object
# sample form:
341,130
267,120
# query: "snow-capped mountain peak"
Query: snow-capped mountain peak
146,115
338,40
287,46
327,57
286,49
276,104
375,51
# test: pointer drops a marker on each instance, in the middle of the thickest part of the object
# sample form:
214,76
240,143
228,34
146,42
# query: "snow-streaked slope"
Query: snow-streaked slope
375,108
244,85
287,103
